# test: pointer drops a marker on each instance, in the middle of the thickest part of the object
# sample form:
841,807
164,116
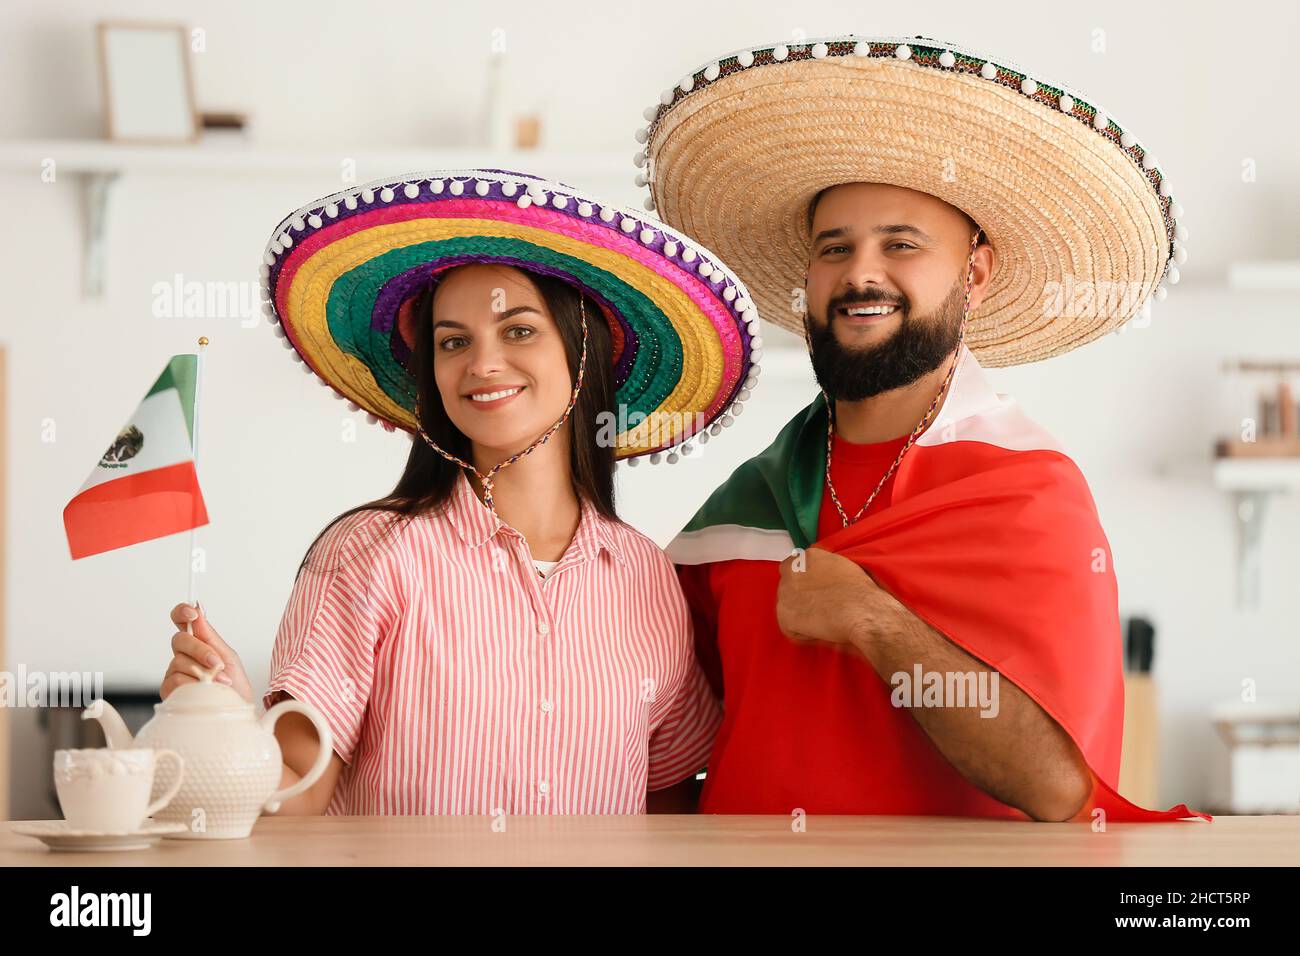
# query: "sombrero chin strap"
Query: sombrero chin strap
542,439
924,422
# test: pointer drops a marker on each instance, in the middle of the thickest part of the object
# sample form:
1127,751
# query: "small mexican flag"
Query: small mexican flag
145,486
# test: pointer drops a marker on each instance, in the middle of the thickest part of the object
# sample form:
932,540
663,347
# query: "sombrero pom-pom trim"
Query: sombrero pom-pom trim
714,319
907,53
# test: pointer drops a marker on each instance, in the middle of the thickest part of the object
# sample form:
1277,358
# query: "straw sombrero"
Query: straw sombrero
339,277
1077,210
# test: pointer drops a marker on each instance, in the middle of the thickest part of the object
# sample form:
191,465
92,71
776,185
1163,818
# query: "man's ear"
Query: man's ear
982,273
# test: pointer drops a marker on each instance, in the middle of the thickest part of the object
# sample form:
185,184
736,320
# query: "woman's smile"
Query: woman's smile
486,399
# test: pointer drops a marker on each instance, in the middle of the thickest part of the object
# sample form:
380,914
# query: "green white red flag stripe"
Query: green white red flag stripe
145,485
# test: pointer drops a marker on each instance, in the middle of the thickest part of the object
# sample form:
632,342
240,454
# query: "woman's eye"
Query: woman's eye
451,342
518,328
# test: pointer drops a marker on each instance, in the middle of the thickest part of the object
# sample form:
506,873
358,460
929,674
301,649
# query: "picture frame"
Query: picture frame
146,82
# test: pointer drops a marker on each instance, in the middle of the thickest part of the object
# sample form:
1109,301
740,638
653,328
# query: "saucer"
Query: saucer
59,835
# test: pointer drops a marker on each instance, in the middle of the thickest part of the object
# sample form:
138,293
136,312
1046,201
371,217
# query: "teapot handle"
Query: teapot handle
322,758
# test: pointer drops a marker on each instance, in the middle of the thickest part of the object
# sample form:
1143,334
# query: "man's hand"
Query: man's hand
1021,756
826,597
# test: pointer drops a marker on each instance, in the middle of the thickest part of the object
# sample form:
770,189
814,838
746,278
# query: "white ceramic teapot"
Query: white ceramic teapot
232,759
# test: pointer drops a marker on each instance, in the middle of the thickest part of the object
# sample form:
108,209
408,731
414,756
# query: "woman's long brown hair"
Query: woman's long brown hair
428,479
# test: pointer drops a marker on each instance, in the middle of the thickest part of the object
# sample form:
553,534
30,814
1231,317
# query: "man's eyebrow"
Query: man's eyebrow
902,227
500,317
892,229
836,233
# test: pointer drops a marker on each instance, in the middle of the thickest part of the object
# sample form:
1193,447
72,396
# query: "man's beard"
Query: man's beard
918,347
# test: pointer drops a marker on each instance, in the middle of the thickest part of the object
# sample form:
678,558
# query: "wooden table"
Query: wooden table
693,840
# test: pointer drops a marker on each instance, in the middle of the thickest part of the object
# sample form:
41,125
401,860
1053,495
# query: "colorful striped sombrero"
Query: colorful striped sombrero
1077,209
339,277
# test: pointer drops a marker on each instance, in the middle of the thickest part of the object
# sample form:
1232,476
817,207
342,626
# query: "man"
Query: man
907,602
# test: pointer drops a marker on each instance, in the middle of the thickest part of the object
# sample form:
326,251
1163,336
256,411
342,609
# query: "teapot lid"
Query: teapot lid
204,695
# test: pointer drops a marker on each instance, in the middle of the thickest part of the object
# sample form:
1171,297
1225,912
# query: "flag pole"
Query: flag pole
194,453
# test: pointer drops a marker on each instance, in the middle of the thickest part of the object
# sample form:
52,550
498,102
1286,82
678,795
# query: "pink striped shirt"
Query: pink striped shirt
456,680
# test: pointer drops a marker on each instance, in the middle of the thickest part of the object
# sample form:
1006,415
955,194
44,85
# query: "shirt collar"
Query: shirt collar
476,523
595,531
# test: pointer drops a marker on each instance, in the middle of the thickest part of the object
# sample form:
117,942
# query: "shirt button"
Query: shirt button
543,629
543,787
546,706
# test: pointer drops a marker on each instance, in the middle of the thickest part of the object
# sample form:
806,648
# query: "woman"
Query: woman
499,643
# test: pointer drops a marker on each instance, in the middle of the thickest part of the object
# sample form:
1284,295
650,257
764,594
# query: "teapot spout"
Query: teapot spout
111,722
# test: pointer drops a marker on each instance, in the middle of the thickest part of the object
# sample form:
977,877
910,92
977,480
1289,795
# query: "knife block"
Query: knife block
1139,759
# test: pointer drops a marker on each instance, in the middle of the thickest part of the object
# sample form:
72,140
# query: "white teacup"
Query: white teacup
107,791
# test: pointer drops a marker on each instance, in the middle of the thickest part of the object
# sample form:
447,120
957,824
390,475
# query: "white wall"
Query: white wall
1137,409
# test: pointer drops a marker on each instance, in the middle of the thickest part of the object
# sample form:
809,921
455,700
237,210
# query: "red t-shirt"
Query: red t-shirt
806,724
856,470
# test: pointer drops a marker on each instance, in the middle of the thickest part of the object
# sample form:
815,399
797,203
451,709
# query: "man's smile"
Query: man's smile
861,314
